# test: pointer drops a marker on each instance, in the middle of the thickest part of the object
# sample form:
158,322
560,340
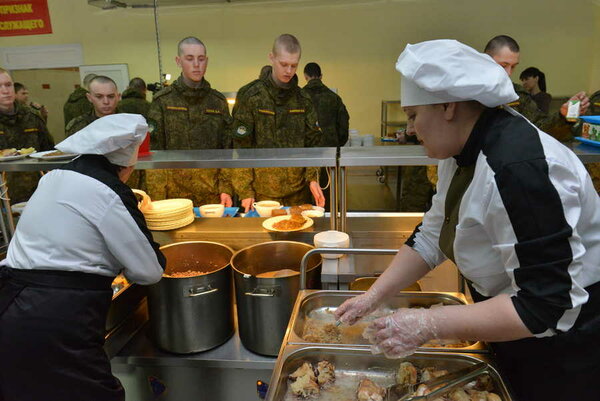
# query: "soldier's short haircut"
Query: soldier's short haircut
286,42
102,79
499,42
18,86
190,40
312,70
137,84
3,71
87,79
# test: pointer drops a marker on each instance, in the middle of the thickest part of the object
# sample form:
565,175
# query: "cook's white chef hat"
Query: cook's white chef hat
116,136
445,70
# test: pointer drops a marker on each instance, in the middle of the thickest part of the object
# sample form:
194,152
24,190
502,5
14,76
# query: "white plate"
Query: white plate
268,223
10,158
42,155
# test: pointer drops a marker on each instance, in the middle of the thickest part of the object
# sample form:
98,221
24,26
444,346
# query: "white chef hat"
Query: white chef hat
116,136
445,70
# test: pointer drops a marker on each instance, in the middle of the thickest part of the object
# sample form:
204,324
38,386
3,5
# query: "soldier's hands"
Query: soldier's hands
585,103
317,193
226,200
247,204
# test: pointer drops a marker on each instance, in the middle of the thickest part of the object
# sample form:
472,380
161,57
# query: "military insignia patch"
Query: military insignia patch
212,111
513,104
30,130
241,131
177,108
1,132
269,112
296,111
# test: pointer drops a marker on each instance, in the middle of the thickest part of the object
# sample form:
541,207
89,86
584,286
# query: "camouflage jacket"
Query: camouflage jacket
133,102
554,123
332,114
76,105
80,122
242,91
184,118
271,117
23,129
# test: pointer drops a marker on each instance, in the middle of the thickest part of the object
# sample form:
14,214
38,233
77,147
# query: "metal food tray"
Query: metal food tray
321,304
353,364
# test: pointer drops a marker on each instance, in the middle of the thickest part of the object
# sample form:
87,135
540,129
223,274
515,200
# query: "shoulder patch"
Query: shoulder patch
177,108
265,111
241,131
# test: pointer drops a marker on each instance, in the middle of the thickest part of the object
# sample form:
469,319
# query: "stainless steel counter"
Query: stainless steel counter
209,158
232,354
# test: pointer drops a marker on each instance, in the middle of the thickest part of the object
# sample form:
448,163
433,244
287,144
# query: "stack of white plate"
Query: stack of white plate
168,214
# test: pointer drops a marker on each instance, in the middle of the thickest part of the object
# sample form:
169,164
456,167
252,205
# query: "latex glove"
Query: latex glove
247,204
585,103
226,200
355,308
398,335
317,193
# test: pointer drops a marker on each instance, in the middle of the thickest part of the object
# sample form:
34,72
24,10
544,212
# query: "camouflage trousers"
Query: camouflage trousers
21,185
415,191
301,197
199,185
594,171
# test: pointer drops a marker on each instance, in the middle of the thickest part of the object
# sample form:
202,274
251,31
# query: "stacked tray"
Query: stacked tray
168,214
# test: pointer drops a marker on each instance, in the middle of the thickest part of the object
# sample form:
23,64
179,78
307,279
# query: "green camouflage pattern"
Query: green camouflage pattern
23,129
133,102
184,118
80,122
553,124
594,168
271,117
76,105
332,114
416,190
263,75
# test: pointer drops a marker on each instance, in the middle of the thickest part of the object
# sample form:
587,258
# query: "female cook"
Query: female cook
516,212
79,230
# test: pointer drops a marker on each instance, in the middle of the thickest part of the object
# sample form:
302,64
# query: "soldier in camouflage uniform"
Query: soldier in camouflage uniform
78,103
133,99
331,111
188,115
22,96
104,97
275,113
265,72
20,128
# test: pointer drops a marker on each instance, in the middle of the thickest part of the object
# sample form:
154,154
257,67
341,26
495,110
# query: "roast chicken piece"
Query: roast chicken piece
407,374
325,373
369,391
304,382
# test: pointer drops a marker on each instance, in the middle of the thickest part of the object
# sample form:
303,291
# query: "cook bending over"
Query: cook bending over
516,211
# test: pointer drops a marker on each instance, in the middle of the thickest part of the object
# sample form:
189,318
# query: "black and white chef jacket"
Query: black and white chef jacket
83,218
518,214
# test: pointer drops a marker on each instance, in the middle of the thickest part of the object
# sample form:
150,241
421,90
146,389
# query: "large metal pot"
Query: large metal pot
193,314
264,305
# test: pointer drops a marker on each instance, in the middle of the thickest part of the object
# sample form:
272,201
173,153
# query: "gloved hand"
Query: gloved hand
355,308
399,334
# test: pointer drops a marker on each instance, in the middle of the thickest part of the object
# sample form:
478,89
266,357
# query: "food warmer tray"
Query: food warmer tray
354,364
319,306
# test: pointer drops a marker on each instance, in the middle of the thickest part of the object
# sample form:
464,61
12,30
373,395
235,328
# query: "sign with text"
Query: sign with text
24,17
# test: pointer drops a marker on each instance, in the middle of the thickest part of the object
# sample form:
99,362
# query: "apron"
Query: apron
563,367
52,327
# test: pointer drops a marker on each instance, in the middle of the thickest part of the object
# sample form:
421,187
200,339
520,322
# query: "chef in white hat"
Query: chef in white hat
516,212
79,230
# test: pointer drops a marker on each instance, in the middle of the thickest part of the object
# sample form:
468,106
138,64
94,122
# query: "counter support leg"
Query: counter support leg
343,198
333,197
7,210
